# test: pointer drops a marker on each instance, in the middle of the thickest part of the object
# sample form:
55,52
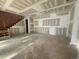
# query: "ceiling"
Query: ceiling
32,7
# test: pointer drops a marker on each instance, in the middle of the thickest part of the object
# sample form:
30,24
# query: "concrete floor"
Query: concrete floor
37,46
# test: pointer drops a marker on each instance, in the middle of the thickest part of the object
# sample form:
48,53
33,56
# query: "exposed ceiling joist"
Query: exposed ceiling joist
63,5
50,3
13,9
1,3
35,0
19,4
64,1
60,2
46,5
8,2
55,7
55,2
29,1
24,2
16,6
38,3
22,6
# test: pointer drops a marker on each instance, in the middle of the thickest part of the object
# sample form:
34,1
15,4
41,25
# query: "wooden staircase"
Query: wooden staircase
7,20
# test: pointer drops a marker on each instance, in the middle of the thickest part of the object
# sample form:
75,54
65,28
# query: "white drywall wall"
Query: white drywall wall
18,28
64,19
75,38
64,22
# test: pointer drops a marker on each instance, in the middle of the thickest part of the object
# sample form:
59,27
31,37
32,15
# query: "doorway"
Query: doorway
26,26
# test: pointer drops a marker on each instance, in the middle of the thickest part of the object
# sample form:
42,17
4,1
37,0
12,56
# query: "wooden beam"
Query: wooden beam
29,1
0,6
8,2
13,9
1,3
16,6
64,1
24,2
46,5
19,4
55,7
38,3
50,3
55,2
33,1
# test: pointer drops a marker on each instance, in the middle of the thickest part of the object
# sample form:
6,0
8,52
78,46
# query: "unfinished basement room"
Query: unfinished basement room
39,29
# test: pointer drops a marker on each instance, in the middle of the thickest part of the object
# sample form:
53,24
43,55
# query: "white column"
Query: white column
75,33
